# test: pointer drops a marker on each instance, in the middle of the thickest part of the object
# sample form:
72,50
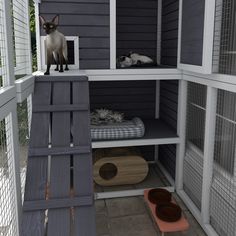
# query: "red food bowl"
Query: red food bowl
159,196
168,212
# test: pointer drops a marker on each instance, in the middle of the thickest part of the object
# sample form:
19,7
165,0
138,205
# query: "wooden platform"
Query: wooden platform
58,201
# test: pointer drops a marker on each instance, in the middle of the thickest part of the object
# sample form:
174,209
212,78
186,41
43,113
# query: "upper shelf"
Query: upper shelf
121,74
156,132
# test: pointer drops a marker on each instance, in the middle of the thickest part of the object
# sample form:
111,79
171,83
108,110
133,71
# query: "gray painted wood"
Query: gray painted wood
192,32
169,35
59,219
83,173
58,151
167,157
90,21
137,27
60,108
58,203
133,98
36,178
168,114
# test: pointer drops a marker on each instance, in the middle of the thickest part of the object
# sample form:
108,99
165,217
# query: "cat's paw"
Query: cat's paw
61,70
66,68
56,69
46,73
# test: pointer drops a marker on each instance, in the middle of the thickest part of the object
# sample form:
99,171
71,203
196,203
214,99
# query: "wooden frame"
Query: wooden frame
75,39
208,40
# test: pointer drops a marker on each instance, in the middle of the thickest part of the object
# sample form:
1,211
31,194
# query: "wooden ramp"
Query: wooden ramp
59,197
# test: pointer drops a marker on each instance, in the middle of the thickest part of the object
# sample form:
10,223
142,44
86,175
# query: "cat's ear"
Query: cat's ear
55,20
42,20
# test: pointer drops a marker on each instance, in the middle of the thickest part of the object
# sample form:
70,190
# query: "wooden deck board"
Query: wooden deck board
36,180
59,219
84,216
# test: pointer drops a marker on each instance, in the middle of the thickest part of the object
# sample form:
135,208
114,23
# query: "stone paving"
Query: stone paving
131,217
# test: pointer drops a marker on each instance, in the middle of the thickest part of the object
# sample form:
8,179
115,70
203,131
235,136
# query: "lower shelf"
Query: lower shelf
156,133
180,225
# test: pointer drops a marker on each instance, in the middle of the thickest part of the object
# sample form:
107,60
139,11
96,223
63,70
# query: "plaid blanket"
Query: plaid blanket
125,130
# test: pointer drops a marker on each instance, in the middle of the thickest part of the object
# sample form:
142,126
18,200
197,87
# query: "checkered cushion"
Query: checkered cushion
125,130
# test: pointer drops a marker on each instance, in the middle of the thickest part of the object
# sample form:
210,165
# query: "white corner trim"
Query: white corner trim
112,34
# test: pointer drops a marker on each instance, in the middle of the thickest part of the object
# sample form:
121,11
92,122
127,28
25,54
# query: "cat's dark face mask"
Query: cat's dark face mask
49,27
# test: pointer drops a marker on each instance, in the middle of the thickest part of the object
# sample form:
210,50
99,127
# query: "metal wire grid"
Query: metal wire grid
195,131
227,64
217,36
8,222
3,71
23,126
21,37
223,191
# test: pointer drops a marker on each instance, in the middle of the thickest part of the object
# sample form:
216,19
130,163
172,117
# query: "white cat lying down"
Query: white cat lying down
133,59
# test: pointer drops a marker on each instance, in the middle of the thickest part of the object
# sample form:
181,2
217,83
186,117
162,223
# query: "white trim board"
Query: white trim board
134,142
112,34
208,40
127,193
76,52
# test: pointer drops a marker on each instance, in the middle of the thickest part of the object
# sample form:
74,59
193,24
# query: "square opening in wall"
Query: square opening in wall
73,52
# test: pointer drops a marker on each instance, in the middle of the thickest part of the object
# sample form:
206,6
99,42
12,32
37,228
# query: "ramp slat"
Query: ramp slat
59,219
36,179
83,182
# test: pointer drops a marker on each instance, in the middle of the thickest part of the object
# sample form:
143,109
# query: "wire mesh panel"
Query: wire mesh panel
23,111
217,36
223,190
21,37
2,46
227,60
195,131
8,222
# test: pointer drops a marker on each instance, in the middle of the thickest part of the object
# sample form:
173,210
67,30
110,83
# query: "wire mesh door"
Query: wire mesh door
223,189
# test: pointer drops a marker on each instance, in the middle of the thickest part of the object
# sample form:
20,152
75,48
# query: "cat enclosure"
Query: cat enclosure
189,108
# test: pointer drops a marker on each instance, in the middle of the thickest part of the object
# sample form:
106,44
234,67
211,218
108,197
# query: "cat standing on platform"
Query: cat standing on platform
56,45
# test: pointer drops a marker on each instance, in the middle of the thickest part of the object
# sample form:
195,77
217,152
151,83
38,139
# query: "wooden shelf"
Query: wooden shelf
121,74
156,133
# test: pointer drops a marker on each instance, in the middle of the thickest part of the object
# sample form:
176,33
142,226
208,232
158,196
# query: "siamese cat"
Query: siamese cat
56,45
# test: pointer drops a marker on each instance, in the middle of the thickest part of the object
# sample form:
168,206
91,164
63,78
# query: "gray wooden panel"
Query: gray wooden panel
169,102
192,32
90,21
74,8
83,173
133,98
36,179
59,219
167,157
169,36
137,27
79,1
85,20
168,114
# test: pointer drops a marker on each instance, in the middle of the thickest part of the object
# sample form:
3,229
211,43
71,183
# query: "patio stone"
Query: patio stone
125,206
102,225
136,225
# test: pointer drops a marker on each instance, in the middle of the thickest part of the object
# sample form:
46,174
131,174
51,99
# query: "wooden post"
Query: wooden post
208,152
181,130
